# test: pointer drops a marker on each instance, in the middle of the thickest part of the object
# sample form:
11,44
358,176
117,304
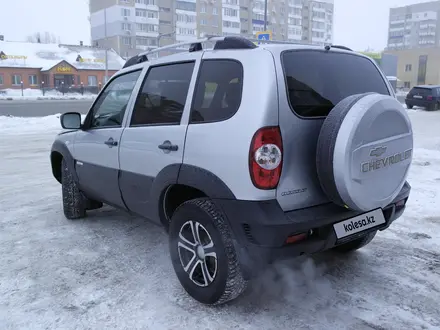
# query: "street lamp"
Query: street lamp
265,15
163,35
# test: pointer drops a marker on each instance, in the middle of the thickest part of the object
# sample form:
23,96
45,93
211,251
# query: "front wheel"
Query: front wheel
74,204
409,106
203,254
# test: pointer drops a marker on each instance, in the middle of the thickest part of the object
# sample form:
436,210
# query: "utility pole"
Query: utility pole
265,15
106,48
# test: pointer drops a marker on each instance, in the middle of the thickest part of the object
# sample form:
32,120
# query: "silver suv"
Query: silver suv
244,154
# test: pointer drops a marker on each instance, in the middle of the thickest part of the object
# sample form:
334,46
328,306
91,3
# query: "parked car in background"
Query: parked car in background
426,96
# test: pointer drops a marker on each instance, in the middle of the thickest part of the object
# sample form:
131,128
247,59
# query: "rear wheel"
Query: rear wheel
203,254
355,244
74,203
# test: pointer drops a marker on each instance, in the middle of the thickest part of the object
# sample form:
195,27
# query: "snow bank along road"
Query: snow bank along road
112,271
42,108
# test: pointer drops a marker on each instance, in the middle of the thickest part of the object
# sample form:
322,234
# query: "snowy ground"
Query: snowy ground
112,271
37,94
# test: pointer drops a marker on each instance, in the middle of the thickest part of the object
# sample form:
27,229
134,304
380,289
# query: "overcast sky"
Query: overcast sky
359,24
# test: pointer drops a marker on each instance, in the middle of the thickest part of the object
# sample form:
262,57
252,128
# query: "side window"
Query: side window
218,91
111,104
163,95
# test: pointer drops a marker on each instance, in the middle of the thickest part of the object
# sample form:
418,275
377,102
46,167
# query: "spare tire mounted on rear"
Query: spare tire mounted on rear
364,151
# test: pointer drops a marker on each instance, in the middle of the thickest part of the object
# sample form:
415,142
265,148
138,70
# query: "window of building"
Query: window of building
16,79
230,12
203,9
163,95
218,91
33,79
125,12
230,24
214,11
109,108
188,6
186,31
145,41
126,41
408,67
2,80
92,81
126,26
147,2
147,27
203,21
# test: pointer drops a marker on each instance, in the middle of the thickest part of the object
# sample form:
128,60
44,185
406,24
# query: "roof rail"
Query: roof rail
338,46
228,42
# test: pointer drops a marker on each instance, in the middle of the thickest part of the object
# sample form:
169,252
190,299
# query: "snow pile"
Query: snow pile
31,125
46,56
112,270
37,94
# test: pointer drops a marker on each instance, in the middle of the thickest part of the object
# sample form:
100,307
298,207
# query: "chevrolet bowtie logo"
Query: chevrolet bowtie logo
377,152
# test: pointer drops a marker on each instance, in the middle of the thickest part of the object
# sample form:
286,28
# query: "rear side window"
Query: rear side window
218,91
162,97
318,80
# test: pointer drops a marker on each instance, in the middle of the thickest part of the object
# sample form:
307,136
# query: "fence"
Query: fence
52,90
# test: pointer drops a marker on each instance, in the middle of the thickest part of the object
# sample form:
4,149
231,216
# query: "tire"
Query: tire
409,106
74,203
355,244
432,107
224,281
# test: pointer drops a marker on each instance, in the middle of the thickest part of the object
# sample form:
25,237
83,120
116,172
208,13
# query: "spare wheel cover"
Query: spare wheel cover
365,151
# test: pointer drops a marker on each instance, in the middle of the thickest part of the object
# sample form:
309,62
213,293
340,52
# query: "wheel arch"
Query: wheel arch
179,183
58,153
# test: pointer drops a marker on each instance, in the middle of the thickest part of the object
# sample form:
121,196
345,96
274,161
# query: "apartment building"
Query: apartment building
414,26
132,26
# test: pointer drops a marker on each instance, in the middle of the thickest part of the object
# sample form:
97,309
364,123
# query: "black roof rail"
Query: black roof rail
135,60
233,42
228,42
337,46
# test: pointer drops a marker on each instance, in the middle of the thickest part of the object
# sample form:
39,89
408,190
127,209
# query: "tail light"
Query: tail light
265,158
429,98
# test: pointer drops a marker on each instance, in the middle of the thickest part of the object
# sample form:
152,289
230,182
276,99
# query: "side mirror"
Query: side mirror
71,120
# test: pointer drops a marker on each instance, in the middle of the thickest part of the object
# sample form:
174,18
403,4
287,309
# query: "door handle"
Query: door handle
111,143
167,146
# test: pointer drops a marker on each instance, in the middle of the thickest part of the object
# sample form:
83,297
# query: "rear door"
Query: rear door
311,83
155,134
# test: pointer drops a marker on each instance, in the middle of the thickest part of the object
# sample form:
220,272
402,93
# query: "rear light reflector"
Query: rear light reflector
429,98
401,203
265,158
296,238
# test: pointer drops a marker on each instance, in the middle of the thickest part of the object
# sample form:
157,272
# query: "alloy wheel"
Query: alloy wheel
197,254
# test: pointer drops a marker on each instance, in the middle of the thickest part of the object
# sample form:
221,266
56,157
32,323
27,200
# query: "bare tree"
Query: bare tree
43,38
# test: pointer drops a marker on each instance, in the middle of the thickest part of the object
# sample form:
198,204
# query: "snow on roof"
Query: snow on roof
46,56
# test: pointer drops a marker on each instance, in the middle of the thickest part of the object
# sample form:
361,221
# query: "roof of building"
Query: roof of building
46,56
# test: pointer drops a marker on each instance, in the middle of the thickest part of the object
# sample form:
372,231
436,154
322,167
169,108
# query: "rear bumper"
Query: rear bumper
261,228
420,103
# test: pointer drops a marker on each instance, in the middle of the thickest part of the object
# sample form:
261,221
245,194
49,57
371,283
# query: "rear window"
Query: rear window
318,80
421,91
